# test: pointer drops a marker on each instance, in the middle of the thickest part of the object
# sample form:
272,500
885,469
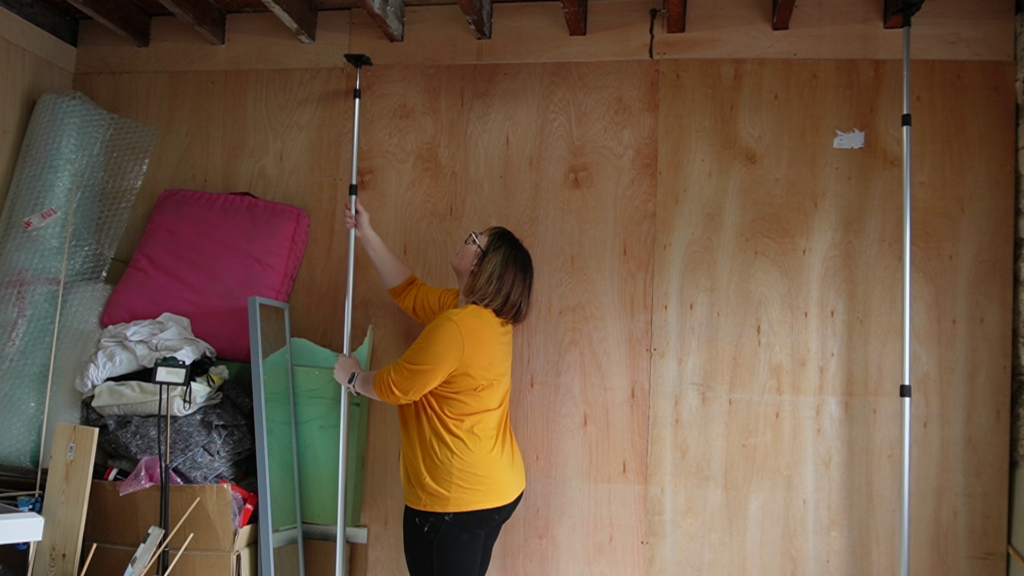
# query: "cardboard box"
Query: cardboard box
118,524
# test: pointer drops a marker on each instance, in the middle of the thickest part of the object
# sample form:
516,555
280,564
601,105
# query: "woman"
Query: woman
462,472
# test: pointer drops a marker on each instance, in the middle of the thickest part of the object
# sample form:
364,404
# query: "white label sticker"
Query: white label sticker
169,375
71,451
850,140
39,219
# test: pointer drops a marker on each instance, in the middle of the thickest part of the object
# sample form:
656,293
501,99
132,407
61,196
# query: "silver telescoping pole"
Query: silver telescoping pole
907,10
341,566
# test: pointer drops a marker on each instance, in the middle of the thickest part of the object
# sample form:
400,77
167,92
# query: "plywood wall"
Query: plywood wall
708,380
565,156
775,421
31,64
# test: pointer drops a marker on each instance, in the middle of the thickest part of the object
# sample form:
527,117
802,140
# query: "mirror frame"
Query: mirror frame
266,531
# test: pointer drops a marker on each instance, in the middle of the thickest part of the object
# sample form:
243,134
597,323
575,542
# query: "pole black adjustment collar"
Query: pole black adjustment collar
904,390
906,119
358,60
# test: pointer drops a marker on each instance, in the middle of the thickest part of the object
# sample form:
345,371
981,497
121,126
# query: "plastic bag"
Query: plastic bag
146,474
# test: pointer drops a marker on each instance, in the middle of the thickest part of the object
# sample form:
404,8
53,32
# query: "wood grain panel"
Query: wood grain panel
843,29
254,42
963,241
21,33
774,409
68,482
276,134
535,32
27,76
564,156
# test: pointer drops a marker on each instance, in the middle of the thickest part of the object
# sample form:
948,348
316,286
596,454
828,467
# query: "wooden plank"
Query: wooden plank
279,134
298,15
575,12
68,482
47,16
619,30
782,12
388,15
26,78
675,19
257,41
581,421
205,17
534,32
478,14
843,29
284,135
48,48
124,18
964,173
775,416
524,32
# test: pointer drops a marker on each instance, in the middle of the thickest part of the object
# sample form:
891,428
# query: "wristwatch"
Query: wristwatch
351,384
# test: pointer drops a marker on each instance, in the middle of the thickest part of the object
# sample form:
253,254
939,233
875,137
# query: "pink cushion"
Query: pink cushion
202,255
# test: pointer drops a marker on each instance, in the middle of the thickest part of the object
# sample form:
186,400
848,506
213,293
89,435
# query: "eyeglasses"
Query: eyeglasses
473,239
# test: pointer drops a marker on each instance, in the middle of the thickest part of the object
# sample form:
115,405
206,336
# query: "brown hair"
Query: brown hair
502,278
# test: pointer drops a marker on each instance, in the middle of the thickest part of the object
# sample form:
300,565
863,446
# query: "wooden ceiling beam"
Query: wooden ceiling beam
207,18
575,16
896,9
298,15
782,12
478,14
46,16
389,15
125,18
675,19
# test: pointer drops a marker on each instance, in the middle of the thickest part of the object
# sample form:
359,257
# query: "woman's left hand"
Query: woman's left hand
344,368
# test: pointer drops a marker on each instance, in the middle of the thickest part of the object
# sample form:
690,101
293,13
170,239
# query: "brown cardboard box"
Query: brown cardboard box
118,524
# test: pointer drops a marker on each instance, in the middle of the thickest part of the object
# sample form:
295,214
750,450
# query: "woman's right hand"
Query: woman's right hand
361,220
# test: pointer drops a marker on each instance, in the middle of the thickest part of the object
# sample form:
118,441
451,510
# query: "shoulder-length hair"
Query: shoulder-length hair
503,276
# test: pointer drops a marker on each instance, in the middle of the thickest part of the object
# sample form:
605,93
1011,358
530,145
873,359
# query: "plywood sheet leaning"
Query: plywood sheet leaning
564,156
68,482
775,445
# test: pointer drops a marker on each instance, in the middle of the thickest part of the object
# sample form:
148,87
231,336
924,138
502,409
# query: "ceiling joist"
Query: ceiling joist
675,19
47,17
782,12
389,15
125,18
298,15
478,14
575,16
203,15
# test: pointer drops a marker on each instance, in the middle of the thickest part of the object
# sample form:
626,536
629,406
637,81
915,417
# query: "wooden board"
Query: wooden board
563,155
536,32
280,135
68,482
775,418
783,459
21,33
844,29
254,42
27,76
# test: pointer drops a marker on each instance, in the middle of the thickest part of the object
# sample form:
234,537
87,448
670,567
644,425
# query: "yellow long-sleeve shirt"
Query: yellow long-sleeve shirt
452,390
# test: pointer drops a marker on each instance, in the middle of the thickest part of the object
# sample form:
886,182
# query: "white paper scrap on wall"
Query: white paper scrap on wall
850,140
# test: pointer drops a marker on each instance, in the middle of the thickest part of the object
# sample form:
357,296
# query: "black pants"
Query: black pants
452,543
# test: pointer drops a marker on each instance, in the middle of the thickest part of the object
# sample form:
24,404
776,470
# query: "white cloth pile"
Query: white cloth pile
129,347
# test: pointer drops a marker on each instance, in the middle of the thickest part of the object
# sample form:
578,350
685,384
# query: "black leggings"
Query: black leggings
452,543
